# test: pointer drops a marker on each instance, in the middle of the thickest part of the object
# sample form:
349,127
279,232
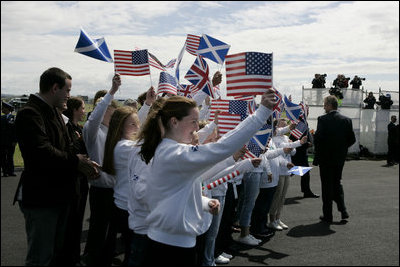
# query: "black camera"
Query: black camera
323,75
347,78
362,79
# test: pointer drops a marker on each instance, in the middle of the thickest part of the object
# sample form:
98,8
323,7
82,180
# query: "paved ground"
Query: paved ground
369,238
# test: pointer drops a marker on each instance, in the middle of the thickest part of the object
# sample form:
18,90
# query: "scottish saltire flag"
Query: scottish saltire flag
133,63
96,48
259,141
167,84
227,122
299,170
198,75
213,49
300,129
293,111
192,44
230,106
178,62
248,73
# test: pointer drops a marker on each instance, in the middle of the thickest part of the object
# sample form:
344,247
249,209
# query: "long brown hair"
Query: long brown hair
151,133
73,104
114,135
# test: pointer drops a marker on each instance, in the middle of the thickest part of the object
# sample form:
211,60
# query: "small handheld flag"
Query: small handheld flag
213,49
221,180
299,170
96,48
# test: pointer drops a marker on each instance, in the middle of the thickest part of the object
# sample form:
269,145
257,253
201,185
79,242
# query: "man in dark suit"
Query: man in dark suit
301,159
332,139
47,183
8,140
392,141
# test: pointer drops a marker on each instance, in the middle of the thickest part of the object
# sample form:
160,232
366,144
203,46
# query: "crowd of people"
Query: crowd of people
144,171
341,81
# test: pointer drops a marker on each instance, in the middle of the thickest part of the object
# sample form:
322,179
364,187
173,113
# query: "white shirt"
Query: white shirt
95,135
121,188
174,189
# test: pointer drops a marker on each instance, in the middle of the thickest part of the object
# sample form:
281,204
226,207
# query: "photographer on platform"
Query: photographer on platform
357,82
319,81
385,101
370,101
341,81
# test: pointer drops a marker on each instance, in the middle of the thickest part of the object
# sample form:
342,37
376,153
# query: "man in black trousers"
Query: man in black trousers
8,139
332,139
301,159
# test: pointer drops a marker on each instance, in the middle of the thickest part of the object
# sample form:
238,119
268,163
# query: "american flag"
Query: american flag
248,73
133,63
192,43
167,84
300,129
227,122
230,106
198,75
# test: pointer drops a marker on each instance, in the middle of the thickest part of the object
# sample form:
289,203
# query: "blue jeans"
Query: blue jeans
211,235
251,187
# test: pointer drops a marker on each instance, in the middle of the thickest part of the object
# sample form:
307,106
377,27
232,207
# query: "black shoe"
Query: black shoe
345,215
265,234
322,218
310,195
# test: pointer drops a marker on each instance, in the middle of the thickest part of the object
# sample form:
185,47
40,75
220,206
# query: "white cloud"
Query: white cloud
305,37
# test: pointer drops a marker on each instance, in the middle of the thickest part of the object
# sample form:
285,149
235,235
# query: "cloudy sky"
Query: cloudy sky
353,38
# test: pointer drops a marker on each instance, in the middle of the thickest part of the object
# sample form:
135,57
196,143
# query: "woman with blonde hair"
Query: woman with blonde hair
124,124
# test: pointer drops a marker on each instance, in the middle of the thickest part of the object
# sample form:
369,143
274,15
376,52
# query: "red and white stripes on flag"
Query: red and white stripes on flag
248,73
227,122
221,180
123,64
222,105
248,155
192,44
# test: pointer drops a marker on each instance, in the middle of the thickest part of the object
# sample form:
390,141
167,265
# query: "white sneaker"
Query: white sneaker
258,240
284,226
226,255
248,240
275,225
221,260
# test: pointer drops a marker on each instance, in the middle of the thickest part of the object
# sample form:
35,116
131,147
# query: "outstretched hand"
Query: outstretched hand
268,99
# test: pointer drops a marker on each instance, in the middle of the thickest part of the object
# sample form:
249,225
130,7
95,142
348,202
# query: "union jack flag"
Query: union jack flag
198,75
133,63
248,73
192,43
185,89
167,84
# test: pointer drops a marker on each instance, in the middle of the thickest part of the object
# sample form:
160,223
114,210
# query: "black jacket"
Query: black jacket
50,165
332,139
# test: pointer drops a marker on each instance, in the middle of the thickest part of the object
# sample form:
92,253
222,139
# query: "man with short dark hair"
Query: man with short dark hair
332,139
47,183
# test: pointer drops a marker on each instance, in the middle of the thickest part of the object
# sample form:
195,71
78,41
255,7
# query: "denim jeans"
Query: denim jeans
251,188
211,235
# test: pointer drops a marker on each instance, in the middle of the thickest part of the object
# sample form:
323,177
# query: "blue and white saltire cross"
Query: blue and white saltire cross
213,49
259,141
96,48
299,170
293,111
198,75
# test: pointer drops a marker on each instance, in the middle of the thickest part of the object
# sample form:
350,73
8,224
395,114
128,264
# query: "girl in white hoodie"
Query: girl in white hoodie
174,191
